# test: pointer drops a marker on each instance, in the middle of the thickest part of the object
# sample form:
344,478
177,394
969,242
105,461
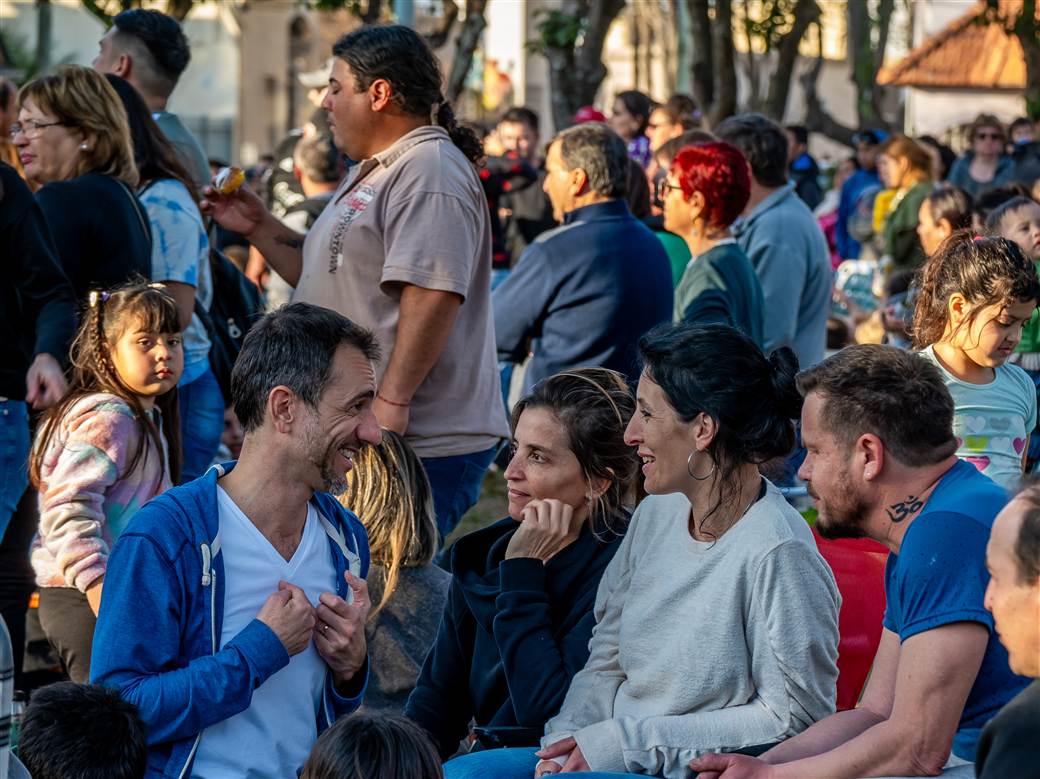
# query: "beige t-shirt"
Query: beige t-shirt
416,214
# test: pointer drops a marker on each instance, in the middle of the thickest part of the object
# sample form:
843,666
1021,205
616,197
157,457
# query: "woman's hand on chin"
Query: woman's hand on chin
548,526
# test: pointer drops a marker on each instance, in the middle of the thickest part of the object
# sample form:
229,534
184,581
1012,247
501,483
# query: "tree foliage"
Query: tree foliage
1022,22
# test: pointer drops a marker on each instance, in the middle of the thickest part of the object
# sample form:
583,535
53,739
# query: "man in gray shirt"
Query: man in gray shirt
781,238
149,49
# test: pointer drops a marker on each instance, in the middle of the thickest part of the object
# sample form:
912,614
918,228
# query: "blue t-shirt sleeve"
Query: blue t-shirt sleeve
939,576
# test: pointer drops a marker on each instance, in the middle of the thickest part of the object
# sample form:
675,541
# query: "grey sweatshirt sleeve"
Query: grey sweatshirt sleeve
792,634
590,698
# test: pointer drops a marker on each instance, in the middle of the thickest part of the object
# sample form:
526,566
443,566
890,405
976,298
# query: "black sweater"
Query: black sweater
514,633
1010,742
101,239
37,308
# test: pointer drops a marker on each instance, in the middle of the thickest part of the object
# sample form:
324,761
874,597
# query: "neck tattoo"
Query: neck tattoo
898,512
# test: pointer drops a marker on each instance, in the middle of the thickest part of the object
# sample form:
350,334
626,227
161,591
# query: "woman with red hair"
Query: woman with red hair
707,188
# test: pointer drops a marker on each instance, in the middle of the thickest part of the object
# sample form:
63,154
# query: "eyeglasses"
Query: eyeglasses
32,128
988,137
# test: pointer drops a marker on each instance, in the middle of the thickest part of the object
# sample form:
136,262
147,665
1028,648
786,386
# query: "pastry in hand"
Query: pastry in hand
228,180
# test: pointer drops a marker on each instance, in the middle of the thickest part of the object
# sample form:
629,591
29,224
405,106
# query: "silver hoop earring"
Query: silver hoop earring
689,469
83,147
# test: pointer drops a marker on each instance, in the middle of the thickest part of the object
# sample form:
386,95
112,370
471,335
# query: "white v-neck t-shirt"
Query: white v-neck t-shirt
272,738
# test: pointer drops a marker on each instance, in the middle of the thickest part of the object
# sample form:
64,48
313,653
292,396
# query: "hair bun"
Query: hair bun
784,364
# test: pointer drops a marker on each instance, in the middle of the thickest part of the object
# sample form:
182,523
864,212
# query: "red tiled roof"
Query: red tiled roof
967,53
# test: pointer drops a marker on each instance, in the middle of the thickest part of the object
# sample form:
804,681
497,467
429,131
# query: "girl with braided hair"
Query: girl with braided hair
975,296
109,446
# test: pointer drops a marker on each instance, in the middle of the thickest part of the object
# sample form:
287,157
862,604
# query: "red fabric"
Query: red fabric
859,569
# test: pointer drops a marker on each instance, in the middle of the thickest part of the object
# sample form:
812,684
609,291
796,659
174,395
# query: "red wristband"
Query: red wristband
385,399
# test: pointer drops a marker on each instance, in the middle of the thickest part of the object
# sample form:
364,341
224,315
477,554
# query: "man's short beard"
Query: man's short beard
847,518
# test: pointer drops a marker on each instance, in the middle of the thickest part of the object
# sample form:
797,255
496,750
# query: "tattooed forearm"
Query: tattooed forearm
898,512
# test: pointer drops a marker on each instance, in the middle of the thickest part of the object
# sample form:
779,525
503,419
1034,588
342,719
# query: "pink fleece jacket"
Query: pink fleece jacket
86,496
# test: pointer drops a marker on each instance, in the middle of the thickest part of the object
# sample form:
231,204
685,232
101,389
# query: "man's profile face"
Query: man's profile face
342,423
1014,602
558,182
107,58
349,112
518,137
841,506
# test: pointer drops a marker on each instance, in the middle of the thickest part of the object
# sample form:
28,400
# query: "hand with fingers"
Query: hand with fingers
242,211
290,615
548,527
566,747
45,383
339,634
730,766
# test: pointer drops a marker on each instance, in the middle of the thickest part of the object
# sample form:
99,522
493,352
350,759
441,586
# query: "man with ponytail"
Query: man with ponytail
403,248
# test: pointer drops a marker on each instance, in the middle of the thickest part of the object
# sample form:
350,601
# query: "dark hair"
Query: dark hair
520,114
666,151
986,120
638,104
600,152
93,371
1022,121
399,55
800,133
947,156
153,152
952,204
719,172
1027,545
893,394
637,190
762,142
163,39
292,347
986,271
996,197
82,731
902,147
373,746
318,158
717,370
996,216
681,109
593,405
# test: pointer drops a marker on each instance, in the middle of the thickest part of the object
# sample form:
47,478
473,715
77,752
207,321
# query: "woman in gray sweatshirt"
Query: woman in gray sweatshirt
717,620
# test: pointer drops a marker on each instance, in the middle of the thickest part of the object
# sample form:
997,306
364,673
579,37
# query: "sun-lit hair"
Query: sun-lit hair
83,100
148,307
899,147
388,490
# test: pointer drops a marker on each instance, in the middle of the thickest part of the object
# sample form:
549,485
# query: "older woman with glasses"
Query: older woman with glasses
74,142
986,166
706,189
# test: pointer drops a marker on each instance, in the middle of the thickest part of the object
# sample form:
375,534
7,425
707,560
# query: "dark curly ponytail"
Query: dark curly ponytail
399,55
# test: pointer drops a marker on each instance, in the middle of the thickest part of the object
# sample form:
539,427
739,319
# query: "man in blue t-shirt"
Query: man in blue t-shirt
878,428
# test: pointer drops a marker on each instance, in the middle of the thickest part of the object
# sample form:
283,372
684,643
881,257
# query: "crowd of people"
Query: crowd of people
239,425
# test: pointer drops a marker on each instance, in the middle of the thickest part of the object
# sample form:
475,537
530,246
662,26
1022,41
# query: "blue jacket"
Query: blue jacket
158,632
848,247
583,294
960,174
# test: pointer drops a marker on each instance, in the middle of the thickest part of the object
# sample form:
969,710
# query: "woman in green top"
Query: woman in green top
905,167
707,188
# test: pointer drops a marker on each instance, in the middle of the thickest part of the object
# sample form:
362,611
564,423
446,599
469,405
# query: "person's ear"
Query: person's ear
957,310
704,429
945,227
697,204
281,408
870,453
579,181
124,65
380,94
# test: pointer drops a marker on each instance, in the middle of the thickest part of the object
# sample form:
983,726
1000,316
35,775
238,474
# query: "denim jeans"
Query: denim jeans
509,764
14,456
456,482
202,422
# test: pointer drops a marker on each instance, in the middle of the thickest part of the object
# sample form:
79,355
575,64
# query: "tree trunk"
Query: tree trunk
702,56
179,9
816,117
440,36
44,25
867,58
465,46
576,72
1028,31
806,12
725,63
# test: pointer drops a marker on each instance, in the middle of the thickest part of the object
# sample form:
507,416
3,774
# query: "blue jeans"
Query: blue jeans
455,482
509,764
202,422
14,456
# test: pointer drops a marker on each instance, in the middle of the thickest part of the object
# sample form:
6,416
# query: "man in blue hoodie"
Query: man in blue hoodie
234,606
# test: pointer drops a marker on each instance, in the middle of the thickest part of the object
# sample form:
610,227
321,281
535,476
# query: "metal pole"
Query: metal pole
404,10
